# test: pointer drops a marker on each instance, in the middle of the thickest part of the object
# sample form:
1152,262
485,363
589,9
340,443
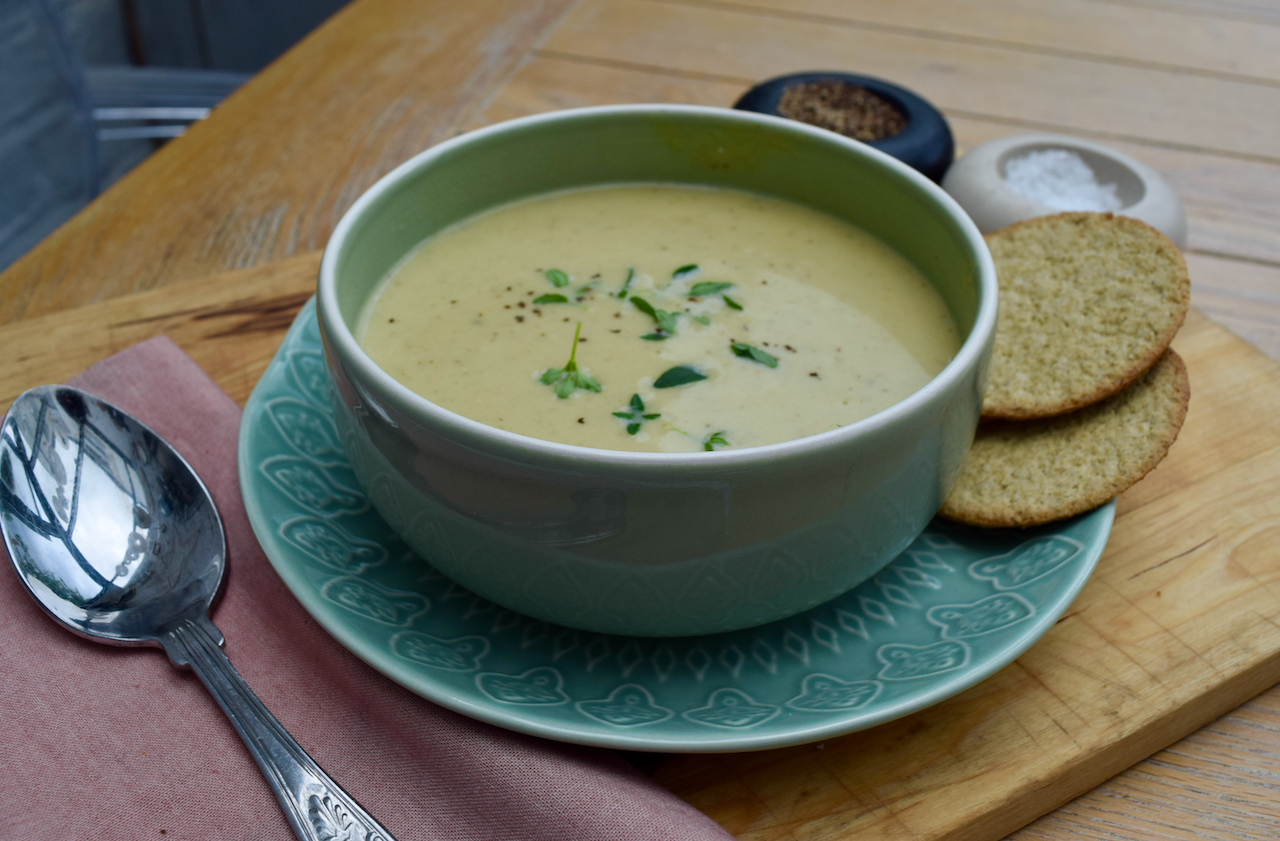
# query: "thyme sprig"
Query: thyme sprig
626,284
635,414
666,321
713,439
708,287
569,378
714,287
754,353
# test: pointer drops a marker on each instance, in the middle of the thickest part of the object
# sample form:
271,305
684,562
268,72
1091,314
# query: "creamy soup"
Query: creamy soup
658,318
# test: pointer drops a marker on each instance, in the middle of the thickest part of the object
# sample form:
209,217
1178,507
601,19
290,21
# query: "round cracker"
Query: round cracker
1025,473
1088,301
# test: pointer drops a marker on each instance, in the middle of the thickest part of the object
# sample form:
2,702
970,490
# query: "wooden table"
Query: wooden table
214,240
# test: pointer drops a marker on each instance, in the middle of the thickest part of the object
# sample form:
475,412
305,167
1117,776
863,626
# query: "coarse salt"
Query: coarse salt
1060,178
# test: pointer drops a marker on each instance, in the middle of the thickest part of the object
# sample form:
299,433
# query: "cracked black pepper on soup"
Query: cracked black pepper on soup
660,318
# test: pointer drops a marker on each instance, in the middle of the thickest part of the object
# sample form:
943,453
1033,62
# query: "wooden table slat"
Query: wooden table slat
1178,39
1201,112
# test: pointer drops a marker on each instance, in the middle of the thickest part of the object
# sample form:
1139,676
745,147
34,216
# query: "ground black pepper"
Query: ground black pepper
842,107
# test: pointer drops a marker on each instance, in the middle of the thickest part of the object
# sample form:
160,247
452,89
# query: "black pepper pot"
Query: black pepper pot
925,144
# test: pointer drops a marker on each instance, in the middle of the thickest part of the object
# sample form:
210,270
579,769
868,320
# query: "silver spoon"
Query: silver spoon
112,532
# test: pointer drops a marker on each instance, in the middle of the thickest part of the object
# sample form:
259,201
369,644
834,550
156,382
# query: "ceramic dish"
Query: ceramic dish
926,144
977,182
957,606
653,543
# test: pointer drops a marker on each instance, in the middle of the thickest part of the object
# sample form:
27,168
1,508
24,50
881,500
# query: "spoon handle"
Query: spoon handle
315,806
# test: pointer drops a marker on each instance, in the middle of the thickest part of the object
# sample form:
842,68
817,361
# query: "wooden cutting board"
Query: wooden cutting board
1180,623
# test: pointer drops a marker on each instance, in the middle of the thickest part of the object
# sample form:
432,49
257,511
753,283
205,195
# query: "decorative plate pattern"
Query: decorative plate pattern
954,608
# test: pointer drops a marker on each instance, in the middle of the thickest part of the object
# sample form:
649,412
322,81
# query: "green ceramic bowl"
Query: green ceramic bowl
659,544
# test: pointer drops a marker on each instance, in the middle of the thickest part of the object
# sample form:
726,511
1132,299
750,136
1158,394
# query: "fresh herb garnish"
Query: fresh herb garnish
701,319
551,298
626,284
568,378
730,303
558,278
708,287
684,271
644,307
666,321
753,353
635,414
714,438
679,375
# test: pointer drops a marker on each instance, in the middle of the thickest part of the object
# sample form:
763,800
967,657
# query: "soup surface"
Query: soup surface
705,319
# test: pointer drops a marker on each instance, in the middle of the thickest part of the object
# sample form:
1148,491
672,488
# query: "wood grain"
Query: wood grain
1217,782
1255,11
1198,112
1171,39
230,324
378,82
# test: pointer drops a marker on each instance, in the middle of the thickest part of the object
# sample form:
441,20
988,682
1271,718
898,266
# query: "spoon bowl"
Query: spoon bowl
108,527
115,536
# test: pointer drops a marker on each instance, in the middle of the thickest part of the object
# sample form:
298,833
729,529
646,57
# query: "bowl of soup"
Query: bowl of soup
656,370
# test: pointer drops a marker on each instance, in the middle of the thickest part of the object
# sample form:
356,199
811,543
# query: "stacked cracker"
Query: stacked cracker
1084,395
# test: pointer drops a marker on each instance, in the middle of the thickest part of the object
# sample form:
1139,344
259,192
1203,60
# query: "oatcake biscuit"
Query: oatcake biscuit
1024,473
1088,301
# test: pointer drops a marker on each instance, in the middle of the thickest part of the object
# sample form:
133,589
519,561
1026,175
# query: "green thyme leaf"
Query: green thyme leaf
730,303
679,375
635,414
558,278
713,439
666,321
626,284
644,307
684,271
701,319
754,353
551,298
708,287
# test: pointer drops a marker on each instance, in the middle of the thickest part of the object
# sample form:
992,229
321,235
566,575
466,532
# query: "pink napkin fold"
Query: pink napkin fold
115,743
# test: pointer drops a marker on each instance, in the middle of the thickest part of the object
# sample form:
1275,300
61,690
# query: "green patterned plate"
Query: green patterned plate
954,608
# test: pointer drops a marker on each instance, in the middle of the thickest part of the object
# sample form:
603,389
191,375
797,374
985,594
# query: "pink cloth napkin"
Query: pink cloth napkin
115,743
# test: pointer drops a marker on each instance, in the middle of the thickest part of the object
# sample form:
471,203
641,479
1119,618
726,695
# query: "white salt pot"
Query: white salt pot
977,182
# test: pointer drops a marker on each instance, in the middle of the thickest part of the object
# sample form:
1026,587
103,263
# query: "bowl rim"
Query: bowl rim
457,427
